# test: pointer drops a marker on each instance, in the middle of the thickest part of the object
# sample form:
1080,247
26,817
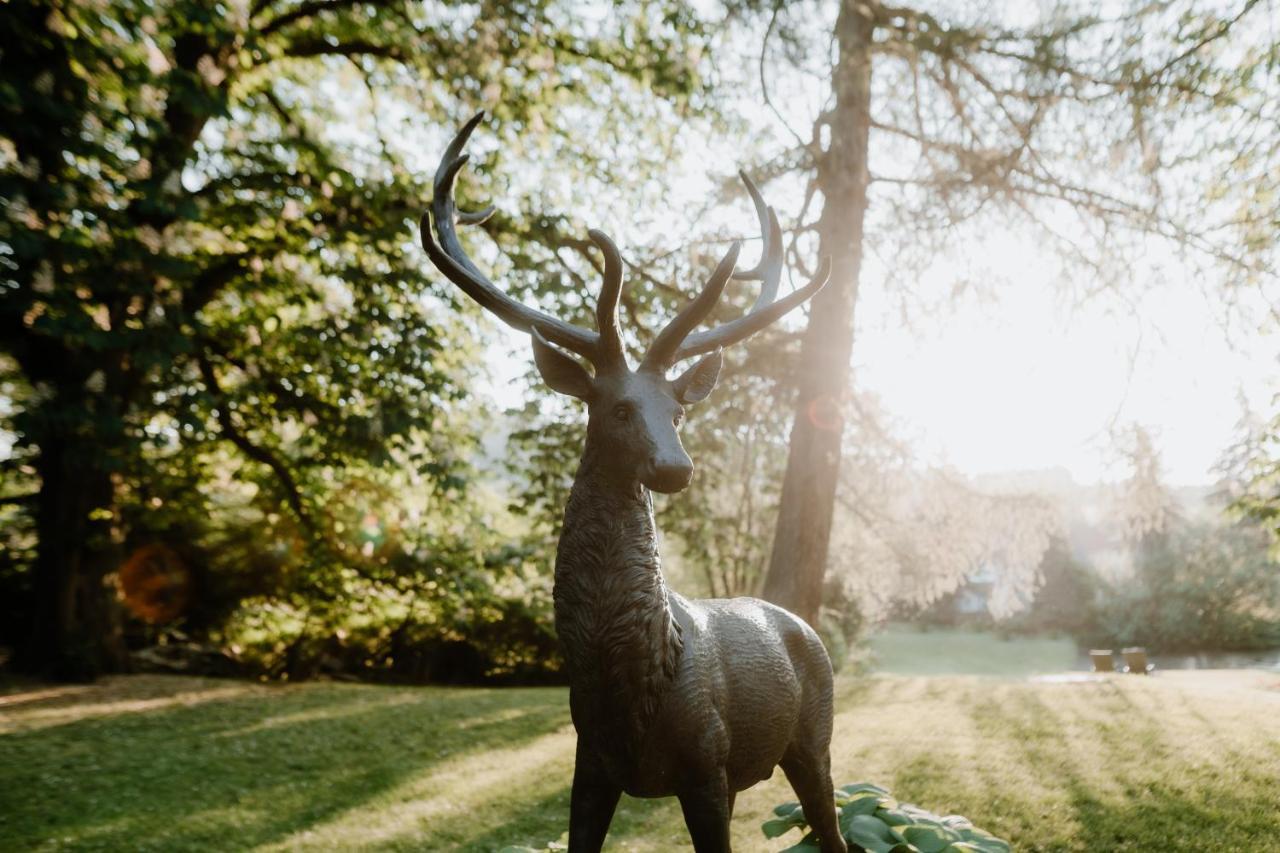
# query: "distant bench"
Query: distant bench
1135,660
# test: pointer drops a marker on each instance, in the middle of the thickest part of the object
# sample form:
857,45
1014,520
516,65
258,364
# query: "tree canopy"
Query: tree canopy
209,278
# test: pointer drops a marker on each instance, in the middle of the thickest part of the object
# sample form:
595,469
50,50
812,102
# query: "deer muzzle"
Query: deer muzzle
668,475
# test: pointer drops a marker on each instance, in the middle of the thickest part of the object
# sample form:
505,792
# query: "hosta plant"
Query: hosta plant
872,820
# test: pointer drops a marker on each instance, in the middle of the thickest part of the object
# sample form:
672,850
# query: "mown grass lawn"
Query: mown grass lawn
1172,762
906,650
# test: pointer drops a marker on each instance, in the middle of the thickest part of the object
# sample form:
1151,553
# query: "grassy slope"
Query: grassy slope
1175,762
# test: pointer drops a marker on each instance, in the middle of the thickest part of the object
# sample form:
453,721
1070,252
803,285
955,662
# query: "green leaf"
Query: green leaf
862,804
982,838
927,839
919,815
808,844
870,833
785,809
774,827
894,817
864,787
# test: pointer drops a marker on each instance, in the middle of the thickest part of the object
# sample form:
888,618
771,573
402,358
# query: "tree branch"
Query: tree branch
255,452
312,8
316,46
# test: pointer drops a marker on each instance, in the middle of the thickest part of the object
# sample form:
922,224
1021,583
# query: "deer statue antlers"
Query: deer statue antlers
603,347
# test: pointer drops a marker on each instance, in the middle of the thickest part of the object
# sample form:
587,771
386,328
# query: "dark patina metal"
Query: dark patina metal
696,699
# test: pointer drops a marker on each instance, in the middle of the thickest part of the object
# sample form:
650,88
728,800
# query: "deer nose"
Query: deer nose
669,475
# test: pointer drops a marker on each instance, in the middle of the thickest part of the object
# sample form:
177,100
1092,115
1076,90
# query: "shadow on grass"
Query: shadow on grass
546,819
1118,782
247,770
511,823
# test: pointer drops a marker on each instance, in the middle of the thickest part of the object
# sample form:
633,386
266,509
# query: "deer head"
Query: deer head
634,414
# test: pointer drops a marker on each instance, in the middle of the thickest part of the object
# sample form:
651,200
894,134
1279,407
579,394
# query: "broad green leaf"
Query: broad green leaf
893,817
927,839
863,804
870,833
983,840
774,827
864,787
785,809
808,844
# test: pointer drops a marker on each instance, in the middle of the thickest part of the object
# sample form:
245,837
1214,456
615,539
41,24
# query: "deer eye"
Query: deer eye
622,413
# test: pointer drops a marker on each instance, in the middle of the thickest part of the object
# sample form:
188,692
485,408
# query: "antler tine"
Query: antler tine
663,351
442,203
607,305
449,257
769,270
744,327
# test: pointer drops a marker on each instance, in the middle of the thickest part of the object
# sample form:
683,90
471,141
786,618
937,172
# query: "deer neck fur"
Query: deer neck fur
621,642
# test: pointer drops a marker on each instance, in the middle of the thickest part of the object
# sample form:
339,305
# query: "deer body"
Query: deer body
667,690
697,699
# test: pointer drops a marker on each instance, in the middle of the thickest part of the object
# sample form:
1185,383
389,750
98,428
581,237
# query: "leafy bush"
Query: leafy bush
491,624
872,820
1200,588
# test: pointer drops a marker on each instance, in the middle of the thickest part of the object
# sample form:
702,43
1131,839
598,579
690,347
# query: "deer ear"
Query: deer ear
560,371
696,383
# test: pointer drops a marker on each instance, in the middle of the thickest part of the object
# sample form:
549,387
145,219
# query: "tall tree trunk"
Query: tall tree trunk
75,626
800,545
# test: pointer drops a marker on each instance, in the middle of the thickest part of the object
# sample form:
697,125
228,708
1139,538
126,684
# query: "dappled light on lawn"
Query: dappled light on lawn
46,708
442,804
1123,763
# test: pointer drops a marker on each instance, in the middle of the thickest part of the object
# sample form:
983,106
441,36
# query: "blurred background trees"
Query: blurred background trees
217,330
1090,130
240,408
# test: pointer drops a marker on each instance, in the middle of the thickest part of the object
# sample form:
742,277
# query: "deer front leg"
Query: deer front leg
707,811
591,803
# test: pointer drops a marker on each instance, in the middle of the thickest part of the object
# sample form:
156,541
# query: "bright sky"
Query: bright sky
1029,383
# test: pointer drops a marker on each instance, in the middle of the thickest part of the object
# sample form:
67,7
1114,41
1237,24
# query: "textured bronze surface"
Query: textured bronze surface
696,699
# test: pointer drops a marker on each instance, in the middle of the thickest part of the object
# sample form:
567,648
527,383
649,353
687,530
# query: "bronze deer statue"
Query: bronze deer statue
698,699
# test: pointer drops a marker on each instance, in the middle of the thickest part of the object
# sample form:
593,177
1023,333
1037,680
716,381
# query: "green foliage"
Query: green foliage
1252,468
217,326
450,624
1199,588
1065,602
874,821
